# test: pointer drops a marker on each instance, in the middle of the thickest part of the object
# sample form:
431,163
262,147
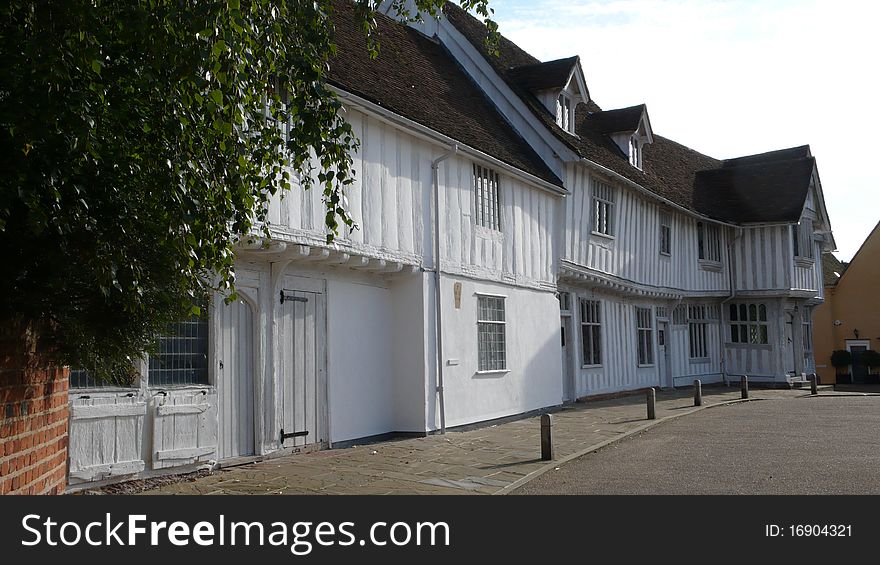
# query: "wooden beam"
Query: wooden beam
190,453
90,412
168,409
339,258
317,254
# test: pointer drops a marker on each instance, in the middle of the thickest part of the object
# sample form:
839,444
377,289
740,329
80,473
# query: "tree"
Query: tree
139,142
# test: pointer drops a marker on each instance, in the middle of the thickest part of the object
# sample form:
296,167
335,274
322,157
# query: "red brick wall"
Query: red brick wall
33,430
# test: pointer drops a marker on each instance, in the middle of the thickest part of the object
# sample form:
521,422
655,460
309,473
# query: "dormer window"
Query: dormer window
563,113
635,152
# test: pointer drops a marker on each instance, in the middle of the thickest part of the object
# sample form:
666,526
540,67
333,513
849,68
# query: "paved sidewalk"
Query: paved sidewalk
490,460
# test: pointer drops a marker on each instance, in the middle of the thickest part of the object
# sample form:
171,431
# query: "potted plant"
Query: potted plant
841,359
871,358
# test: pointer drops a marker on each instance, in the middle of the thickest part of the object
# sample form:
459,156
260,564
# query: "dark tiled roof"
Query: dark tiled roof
670,169
763,192
417,78
778,155
612,121
831,265
543,76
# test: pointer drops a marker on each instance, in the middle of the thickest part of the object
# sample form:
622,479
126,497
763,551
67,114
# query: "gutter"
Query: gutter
732,280
438,317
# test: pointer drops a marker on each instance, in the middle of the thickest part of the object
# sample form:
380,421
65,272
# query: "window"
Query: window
679,316
276,110
635,152
80,378
564,302
591,332
698,325
645,335
491,343
748,324
182,357
709,242
665,234
808,336
563,113
802,239
603,208
488,204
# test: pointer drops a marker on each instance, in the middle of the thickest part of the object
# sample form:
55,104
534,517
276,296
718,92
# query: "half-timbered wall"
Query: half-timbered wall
620,369
633,253
521,252
762,258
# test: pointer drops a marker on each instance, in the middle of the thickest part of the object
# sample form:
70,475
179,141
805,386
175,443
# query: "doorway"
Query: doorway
302,368
859,369
235,380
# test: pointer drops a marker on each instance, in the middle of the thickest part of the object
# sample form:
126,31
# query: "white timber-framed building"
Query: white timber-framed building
517,248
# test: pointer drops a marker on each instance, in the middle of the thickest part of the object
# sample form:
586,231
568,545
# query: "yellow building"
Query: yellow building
850,316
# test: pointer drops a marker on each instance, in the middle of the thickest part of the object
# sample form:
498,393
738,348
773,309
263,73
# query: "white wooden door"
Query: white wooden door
235,379
570,392
663,353
788,348
302,344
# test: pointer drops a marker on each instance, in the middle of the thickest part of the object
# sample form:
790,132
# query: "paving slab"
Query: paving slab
488,460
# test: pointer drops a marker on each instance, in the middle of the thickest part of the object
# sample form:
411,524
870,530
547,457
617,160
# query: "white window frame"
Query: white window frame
748,323
665,234
487,197
564,117
699,318
709,242
591,332
645,336
635,152
602,216
488,360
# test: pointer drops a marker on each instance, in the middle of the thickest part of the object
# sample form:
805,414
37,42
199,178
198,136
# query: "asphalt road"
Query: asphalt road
811,445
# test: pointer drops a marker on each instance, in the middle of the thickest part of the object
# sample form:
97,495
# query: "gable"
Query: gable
418,79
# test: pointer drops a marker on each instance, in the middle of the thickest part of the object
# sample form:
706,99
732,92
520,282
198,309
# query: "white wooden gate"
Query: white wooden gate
184,427
106,435
235,379
302,370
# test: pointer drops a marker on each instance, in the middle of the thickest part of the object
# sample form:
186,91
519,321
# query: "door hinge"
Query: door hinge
285,436
292,298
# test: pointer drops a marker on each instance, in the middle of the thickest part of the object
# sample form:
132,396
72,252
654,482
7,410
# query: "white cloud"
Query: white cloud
733,77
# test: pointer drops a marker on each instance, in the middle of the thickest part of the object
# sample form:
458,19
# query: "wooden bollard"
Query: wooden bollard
698,393
814,390
651,398
744,384
546,437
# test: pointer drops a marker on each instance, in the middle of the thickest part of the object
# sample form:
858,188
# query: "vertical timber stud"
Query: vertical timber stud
744,385
698,393
813,388
546,437
651,398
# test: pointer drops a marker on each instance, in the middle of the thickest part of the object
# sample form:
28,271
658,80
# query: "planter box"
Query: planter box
845,379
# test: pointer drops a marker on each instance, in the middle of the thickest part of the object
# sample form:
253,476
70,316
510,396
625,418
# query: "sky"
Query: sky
733,77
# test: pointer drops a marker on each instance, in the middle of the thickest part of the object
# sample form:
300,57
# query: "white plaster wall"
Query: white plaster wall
360,367
534,376
410,350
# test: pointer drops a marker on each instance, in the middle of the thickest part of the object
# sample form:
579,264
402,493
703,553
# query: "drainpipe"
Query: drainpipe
732,281
438,318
